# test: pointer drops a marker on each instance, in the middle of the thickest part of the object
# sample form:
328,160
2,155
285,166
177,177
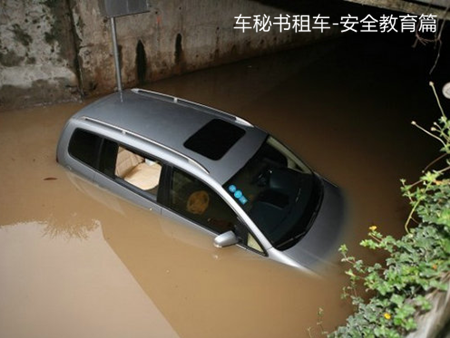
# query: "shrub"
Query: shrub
417,263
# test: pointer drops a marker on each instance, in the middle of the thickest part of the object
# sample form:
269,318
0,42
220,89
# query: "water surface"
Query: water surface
77,261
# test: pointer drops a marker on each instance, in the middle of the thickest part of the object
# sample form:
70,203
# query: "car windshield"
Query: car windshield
278,192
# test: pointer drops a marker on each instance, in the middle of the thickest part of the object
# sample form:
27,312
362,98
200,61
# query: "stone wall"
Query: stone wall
58,50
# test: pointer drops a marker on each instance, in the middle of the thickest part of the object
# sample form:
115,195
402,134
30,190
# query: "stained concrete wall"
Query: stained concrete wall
57,50
36,52
434,7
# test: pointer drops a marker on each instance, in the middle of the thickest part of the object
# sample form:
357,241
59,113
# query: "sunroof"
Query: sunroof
214,139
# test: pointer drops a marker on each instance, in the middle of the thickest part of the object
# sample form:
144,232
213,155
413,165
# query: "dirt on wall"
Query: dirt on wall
37,58
54,51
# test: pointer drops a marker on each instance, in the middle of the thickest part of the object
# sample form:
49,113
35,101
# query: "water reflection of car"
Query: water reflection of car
206,168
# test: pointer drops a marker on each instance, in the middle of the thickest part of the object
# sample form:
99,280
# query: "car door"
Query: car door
191,201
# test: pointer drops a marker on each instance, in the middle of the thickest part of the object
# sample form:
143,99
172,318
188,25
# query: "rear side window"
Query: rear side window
139,171
117,162
84,146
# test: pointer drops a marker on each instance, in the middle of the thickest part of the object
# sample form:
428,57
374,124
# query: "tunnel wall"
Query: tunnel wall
55,50
36,53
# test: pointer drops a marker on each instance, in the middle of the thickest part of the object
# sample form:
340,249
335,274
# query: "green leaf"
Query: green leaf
343,249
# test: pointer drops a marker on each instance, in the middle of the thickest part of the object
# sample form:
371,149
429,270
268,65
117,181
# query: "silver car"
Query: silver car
209,169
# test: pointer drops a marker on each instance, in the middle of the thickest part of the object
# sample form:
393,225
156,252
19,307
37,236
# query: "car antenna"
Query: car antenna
112,9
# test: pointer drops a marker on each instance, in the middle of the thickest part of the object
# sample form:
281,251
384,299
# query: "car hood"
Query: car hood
326,233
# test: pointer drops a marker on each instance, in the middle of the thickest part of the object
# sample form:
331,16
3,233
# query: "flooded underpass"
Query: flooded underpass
78,261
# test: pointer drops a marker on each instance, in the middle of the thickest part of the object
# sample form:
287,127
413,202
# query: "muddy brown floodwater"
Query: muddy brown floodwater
77,261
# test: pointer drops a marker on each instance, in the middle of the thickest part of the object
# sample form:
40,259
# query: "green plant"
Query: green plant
319,324
417,263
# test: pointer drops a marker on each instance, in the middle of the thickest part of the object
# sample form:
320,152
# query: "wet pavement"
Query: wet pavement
78,261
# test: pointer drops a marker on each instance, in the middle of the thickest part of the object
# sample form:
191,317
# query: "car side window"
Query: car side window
84,146
250,241
142,172
196,201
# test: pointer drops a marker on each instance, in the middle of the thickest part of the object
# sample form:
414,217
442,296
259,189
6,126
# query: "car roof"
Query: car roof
170,122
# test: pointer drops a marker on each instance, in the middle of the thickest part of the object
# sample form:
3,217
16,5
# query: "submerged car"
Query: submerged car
206,168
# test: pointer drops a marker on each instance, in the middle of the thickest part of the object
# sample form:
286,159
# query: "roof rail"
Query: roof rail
192,104
128,132
156,95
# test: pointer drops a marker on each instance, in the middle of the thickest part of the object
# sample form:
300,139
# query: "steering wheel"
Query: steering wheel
263,177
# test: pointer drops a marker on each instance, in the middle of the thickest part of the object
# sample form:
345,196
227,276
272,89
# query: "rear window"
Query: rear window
214,139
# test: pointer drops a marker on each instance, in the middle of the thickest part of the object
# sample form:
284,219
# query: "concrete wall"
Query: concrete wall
56,50
36,52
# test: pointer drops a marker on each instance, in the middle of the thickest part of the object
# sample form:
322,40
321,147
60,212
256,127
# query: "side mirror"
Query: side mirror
226,239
